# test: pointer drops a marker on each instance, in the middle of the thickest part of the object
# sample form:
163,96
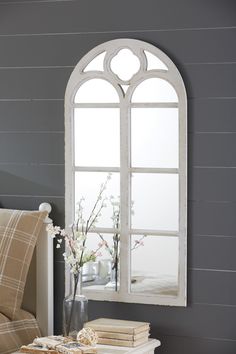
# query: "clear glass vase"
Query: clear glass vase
114,277
75,308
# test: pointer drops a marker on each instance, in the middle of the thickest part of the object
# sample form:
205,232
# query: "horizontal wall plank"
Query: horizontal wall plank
212,150
203,115
211,218
32,203
211,287
112,16
32,148
212,184
195,320
58,50
212,115
32,180
187,345
220,80
33,83
209,252
50,83
31,116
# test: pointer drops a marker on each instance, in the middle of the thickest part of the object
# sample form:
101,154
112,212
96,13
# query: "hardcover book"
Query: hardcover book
118,326
124,336
122,343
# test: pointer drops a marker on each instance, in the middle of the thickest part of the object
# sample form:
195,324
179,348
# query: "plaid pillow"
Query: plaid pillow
18,235
13,334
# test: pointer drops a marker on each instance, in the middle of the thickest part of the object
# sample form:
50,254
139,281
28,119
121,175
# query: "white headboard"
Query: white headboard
38,297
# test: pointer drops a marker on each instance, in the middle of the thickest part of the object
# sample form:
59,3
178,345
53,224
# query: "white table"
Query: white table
147,348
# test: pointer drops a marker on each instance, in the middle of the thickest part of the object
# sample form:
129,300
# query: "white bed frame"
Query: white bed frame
38,296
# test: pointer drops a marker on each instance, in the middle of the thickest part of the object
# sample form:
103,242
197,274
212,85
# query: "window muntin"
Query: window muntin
151,102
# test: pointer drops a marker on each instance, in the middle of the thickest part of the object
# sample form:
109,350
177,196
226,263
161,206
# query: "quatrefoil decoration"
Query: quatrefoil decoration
125,64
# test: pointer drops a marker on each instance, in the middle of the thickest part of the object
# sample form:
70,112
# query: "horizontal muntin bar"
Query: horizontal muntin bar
154,232
131,169
96,105
153,170
154,105
95,169
107,230
132,105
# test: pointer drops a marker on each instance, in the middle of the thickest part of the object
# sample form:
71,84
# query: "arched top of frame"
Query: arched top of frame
124,63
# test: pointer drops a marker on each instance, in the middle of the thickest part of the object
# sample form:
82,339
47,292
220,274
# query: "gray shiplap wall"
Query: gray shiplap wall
40,43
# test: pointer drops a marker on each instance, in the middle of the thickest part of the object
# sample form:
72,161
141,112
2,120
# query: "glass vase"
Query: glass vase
75,308
114,277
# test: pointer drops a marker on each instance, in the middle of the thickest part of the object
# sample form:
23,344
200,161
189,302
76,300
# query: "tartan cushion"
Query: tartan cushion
14,334
18,235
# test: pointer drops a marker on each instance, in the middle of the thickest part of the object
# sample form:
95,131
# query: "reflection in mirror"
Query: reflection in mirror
102,272
154,137
154,265
154,63
96,129
96,64
125,64
154,90
87,185
159,194
96,91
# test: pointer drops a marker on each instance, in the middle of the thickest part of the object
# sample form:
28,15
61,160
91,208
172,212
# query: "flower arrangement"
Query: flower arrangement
115,249
77,254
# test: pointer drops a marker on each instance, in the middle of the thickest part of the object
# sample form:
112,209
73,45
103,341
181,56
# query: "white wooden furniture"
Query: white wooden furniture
38,295
147,348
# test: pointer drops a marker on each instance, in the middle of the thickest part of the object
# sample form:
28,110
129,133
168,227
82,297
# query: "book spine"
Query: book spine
122,343
116,329
124,336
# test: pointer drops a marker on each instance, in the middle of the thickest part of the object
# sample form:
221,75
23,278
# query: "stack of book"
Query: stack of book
120,332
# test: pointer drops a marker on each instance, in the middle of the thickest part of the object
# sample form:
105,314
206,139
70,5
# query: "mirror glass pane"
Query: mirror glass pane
154,265
154,90
154,63
97,137
96,63
125,64
159,195
102,271
96,91
88,185
154,137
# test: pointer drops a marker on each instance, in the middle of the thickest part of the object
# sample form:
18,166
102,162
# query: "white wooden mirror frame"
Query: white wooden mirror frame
172,75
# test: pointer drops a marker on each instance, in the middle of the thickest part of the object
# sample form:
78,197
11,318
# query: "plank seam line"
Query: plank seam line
32,196
213,270
72,66
118,31
198,337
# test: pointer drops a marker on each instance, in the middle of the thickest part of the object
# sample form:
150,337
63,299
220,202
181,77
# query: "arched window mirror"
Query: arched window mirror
126,114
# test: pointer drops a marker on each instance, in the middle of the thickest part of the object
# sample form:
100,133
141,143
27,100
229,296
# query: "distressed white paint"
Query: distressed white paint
172,75
44,277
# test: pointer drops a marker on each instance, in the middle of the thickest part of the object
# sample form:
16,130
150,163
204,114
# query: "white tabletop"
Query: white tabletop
111,349
143,348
